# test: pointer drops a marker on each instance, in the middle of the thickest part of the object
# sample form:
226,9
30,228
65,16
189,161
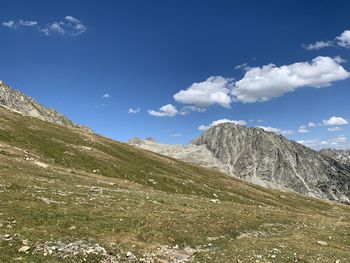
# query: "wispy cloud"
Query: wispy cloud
276,130
339,142
343,40
243,66
21,23
334,129
134,110
69,26
175,135
106,96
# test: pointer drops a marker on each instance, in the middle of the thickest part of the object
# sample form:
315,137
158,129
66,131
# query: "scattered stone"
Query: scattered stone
24,249
322,243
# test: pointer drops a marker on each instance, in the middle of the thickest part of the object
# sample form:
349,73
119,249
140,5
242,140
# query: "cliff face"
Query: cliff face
341,156
16,101
272,160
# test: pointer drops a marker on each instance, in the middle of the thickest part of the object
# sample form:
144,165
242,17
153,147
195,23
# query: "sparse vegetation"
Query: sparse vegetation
99,191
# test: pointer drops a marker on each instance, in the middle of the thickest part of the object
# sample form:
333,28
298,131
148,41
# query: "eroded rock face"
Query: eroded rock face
341,156
266,158
16,101
263,158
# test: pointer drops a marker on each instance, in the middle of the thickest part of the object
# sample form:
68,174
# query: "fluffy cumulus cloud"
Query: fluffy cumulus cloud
333,121
134,110
276,130
339,142
164,111
214,90
69,26
344,39
269,81
214,123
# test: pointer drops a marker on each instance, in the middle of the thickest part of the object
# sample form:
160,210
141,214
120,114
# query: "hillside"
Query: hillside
71,196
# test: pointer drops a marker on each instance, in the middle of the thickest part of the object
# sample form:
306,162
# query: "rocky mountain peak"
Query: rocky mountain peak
15,100
272,160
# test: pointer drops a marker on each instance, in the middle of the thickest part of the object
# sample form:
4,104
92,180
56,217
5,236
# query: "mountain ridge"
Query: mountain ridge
17,101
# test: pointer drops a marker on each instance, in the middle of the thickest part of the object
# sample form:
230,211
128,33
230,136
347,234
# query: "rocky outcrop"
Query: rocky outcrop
263,158
271,160
16,101
341,156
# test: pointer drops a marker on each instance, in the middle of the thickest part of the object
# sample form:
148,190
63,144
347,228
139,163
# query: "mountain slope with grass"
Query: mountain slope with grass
71,196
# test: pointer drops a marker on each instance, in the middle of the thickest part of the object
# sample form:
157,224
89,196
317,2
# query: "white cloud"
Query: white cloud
243,66
188,109
334,129
214,123
176,135
312,124
106,96
164,111
9,24
339,142
14,25
134,111
69,26
303,129
333,121
269,81
276,130
318,45
27,23
344,39
214,90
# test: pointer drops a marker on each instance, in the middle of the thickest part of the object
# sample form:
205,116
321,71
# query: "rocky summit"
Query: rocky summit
264,158
15,100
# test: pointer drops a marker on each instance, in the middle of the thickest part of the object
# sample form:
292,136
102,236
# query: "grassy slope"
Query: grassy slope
148,199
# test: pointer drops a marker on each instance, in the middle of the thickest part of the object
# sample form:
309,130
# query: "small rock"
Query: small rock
322,243
128,254
72,228
24,249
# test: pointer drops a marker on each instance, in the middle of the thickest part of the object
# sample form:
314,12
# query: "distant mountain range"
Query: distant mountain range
266,159
27,106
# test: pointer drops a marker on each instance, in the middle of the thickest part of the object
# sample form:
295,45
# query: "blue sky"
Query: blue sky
171,68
